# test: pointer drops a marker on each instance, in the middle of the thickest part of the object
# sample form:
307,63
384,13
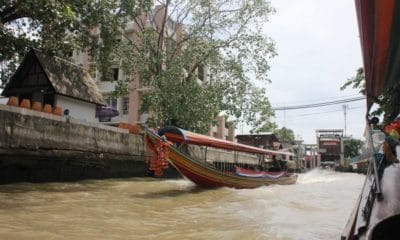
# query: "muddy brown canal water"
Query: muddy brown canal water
317,207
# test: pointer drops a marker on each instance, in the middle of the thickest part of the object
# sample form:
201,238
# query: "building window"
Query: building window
111,103
125,105
200,72
115,74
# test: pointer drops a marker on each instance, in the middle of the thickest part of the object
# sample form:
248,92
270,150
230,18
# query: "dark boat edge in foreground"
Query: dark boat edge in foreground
376,214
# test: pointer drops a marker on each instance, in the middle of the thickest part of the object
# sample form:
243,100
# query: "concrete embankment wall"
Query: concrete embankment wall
38,147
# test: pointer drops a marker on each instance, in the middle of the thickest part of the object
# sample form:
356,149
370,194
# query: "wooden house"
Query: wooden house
55,81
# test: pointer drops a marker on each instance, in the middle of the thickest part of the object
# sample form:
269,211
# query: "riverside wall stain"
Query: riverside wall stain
40,147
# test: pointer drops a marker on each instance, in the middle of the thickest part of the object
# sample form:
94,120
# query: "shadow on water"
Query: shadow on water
60,187
172,192
90,185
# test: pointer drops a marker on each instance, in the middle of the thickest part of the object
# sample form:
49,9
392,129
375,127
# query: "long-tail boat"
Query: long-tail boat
201,158
377,212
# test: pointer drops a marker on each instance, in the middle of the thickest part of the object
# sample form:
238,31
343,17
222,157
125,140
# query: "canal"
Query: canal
317,207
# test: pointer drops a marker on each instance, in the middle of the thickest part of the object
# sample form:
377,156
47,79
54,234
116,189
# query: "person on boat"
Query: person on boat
276,166
392,140
258,168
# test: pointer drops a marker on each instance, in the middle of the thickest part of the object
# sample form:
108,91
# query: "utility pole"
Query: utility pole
345,107
284,118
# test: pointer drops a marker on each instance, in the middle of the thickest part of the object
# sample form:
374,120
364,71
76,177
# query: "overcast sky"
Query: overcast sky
318,49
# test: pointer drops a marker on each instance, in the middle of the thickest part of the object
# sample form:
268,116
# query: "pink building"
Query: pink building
223,129
128,106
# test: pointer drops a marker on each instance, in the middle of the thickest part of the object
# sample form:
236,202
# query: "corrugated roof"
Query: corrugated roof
257,134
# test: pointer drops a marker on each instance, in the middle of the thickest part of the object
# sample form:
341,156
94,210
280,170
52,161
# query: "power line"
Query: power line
319,113
322,104
324,99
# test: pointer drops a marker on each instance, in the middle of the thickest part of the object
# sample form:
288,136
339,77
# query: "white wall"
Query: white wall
77,109
3,100
106,87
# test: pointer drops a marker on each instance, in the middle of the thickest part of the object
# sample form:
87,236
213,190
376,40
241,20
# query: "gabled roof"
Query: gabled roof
66,78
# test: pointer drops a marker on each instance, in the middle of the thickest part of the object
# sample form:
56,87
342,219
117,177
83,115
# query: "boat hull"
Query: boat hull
204,175
384,219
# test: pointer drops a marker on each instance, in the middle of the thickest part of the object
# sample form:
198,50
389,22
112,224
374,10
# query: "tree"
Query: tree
266,127
59,27
284,134
357,82
168,51
186,37
388,100
352,147
389,103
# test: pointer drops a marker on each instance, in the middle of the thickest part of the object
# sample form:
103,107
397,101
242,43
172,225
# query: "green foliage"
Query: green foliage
352,147
356,82
284,134
389,103
167,50
388,100
59,27
225,38
267,127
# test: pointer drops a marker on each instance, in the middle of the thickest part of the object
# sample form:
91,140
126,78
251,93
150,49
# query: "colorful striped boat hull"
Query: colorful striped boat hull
204,175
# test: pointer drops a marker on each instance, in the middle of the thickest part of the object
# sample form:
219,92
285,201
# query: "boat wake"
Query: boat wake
321,176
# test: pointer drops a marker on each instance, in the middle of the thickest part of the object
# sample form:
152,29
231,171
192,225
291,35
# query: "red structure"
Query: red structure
330,146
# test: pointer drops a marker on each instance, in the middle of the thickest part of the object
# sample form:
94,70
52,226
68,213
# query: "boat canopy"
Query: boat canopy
379,24
179,135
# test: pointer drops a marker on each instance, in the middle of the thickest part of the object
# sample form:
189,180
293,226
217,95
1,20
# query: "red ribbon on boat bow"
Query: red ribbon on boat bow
159,158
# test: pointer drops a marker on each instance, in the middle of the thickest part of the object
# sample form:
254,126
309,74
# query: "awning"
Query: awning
175,134
102,112
379,24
